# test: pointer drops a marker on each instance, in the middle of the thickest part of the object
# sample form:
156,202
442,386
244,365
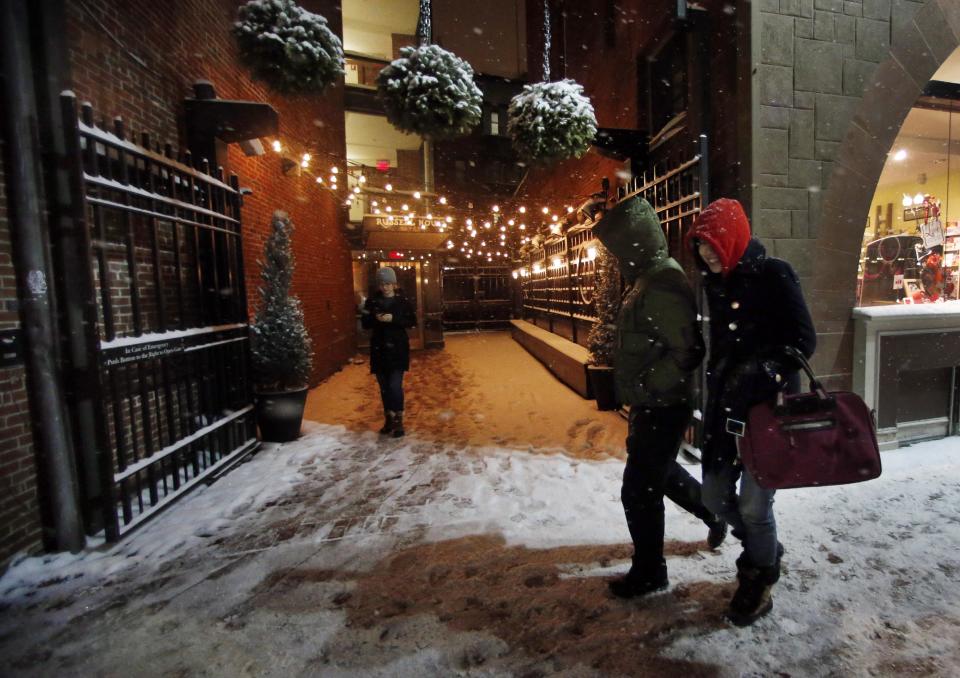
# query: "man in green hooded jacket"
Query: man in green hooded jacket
659,347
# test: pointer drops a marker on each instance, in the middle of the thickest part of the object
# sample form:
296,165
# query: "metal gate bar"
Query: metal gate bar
166,282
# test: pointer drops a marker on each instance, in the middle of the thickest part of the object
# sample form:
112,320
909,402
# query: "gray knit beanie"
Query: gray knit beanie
386,276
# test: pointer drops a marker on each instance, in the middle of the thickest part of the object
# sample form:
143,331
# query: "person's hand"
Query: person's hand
385,317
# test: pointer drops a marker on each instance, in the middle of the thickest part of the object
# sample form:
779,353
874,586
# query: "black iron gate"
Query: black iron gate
476,297
166,311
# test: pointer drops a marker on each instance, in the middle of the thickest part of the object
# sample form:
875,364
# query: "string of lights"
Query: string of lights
491,231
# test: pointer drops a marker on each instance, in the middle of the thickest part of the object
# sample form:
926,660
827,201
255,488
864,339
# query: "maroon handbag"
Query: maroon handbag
810,439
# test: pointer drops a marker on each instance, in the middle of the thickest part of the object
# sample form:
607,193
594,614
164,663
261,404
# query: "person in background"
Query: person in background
388,313
659,347
756,308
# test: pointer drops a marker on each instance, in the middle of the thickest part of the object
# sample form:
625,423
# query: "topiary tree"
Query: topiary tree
280,346
606,299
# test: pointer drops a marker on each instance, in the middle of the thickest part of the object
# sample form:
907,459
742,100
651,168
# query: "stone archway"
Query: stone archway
918,47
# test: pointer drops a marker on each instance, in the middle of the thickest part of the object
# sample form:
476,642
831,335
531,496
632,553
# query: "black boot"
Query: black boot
638,582
717,533
388,418
398,431
753,598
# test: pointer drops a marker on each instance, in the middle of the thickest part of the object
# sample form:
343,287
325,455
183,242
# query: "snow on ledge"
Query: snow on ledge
946,308
151,337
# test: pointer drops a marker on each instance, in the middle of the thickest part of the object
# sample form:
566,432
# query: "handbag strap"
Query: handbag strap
815,384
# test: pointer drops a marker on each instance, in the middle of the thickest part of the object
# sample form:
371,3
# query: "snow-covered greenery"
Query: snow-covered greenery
606,299
430,91
551,121
280,346
289,48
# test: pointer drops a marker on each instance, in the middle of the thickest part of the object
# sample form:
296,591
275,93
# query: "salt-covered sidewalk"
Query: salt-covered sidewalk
343,554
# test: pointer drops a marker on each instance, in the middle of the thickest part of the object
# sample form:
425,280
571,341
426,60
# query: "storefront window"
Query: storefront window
911,243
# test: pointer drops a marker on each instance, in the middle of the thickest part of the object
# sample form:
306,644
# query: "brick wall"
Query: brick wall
20,528
138,59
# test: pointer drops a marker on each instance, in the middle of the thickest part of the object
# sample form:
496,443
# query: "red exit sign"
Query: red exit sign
395,255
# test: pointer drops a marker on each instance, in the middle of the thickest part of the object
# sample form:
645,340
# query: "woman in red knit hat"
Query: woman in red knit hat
756,308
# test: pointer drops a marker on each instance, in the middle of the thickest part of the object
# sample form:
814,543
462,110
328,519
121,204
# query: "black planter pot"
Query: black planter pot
280,414
601,382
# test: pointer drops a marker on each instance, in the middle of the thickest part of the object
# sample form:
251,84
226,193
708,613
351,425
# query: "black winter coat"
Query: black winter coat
389,344
756,310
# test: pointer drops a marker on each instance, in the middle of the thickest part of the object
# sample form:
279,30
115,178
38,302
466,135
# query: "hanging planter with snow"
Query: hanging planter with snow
551,120
428,90
289,48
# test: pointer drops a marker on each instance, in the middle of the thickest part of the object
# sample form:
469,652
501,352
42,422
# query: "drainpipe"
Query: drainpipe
34,278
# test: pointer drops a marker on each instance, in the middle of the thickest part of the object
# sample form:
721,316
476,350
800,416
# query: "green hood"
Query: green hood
633,233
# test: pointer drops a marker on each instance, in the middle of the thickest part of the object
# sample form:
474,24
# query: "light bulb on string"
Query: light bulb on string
443,200
416,195
319,180
404,207
522,210
487,225
333,180
388,187
545,210
362,179
496,208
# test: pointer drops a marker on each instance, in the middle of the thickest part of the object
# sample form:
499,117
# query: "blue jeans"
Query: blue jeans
750,513
391,390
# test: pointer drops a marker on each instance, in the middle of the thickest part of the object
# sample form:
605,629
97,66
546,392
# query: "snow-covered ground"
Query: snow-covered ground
343,554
